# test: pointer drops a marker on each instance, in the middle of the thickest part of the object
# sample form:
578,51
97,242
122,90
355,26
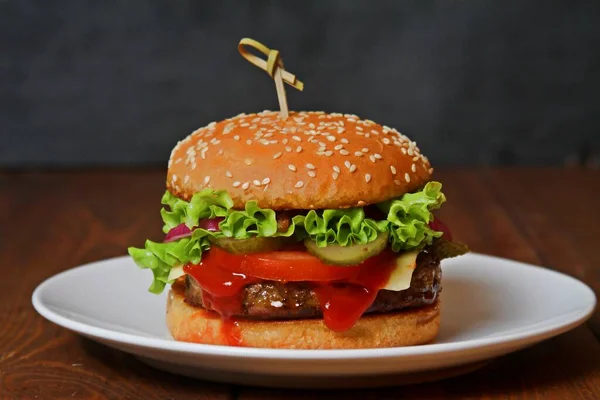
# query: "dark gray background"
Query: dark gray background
474,82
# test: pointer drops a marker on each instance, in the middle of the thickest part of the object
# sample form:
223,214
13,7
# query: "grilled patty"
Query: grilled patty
292,300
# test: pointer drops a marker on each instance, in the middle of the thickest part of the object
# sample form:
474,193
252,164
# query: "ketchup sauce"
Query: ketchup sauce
342,302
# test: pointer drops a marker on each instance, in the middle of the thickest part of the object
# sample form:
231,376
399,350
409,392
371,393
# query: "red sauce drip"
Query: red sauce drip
342,303
221,292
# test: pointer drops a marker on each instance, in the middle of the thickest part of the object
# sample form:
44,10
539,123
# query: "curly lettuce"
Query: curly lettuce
410,215
342,227
407,221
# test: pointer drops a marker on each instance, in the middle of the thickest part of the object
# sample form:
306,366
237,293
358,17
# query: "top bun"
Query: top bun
310,160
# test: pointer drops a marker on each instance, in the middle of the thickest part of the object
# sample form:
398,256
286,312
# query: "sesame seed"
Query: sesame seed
397,182
288,149
298,149
284,141
292,167
347,164
220,152
311,125
367,178
377,156
256,182
430,170
358,154
310,166
340,130
413,168
407,177
312,174
248,161
249,142
266,181
297,138
277,155
236,137
186,179
245,124
228,174
338,147
245,185
331,138
344,140
359,128
206,180
328,153
393,169
236,184
365,150
403,150
372,158
174,178
386,140
352,168
344,152
410,151
335,175
299,184
336,169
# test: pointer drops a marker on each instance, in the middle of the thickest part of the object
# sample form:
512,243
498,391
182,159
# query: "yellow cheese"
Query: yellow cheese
402,273
175,273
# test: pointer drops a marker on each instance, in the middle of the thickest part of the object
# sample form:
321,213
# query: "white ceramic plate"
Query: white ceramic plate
491,307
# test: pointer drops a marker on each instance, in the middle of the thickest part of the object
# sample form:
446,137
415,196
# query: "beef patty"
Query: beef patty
293,300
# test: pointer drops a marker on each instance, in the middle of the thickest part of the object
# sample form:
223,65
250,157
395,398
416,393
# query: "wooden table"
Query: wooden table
52,221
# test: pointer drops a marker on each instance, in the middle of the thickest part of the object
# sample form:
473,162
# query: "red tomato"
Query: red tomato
284,266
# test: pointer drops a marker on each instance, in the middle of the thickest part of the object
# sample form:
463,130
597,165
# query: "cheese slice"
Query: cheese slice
402,273
175,273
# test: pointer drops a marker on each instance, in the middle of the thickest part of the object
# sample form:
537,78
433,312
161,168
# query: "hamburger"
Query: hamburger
314,231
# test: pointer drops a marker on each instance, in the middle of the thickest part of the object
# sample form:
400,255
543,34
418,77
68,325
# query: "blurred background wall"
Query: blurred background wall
473,82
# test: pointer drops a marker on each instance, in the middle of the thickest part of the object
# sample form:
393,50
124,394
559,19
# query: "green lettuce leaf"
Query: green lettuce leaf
343,227
410,215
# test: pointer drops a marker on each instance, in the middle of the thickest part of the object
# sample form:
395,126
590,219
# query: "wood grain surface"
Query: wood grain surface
53,221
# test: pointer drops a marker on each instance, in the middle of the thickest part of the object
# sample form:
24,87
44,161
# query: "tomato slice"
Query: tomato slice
288,266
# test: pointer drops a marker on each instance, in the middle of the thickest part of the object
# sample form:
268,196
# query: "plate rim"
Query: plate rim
103,334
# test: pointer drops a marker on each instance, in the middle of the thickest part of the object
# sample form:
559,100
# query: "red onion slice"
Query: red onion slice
438,226
211,224
179,232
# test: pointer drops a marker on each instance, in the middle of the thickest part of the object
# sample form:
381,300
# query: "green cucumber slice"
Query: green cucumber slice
348,255
251,245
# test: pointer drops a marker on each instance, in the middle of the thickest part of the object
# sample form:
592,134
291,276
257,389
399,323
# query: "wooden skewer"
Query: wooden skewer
274,67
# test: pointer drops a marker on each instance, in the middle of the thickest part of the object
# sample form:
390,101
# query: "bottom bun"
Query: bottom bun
404,328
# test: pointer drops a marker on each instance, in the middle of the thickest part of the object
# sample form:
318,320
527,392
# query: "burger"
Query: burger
314,231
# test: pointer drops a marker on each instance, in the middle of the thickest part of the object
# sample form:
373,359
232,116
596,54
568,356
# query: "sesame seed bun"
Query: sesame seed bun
405,328
311,160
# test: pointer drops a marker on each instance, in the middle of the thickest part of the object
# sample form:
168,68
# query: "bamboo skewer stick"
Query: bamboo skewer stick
274,67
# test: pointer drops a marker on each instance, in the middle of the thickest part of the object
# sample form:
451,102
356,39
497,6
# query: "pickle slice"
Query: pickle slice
348,255
251,245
